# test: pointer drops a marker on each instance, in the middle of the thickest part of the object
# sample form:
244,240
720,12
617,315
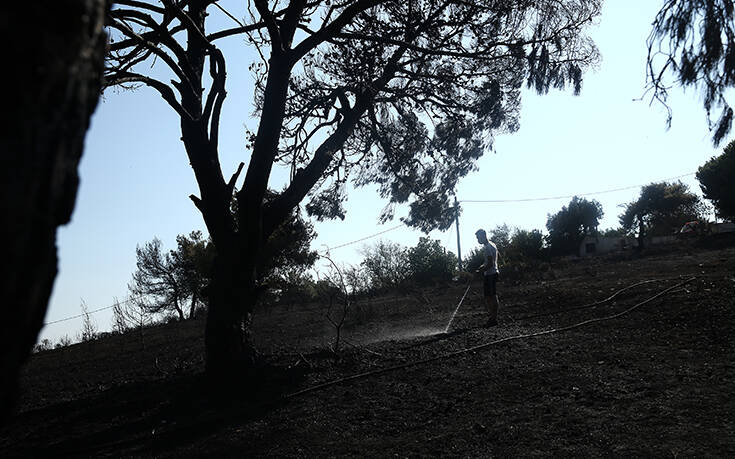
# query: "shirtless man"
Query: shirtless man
490,272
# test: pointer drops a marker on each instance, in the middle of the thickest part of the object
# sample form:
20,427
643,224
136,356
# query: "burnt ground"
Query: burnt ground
656,380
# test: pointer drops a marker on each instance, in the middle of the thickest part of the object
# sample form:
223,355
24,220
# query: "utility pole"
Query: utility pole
456,222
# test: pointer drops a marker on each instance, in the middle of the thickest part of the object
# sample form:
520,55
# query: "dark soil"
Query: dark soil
656,380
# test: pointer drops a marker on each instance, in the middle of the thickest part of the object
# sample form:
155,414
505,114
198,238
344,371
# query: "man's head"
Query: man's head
481,236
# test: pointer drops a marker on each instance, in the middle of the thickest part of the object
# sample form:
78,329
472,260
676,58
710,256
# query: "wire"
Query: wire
551,198
362,239
92,312
401,225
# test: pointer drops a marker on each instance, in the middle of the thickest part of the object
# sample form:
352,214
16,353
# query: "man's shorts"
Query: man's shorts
488,284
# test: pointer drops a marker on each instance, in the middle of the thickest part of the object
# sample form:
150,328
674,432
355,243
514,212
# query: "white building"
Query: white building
596,245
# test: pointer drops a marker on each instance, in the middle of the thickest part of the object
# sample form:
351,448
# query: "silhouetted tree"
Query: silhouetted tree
64,341
571,224
157,280
119,321
386,265
287,249
527,244
660,209
192,262
474,259
695,40
717,181
429,262
501,236
613,232
89,328
405,95
43,345
56,51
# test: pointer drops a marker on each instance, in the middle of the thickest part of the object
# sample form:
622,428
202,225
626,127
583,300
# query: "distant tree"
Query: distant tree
119,322
430,262
64,341
288,249
89,328
501,236
404,95
613,232
326,289
568,227
527,244
356,280
474,259
386,265
169,281
158,279
192,261
43,345
695,39
717,181
136,312
293,286
660,209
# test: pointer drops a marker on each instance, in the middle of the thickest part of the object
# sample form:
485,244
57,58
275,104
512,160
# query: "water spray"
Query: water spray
446,330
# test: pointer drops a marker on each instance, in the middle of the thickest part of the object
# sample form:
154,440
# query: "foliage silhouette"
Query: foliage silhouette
695,40
568,227
660,210
716,178
386,265
429,262
404,95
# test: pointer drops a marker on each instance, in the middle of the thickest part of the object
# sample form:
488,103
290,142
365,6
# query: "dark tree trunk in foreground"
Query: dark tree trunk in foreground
229,349
54,59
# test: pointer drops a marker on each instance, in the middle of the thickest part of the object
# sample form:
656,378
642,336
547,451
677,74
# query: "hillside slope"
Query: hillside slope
655,380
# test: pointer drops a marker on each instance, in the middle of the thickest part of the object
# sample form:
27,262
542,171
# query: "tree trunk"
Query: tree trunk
56,53
230,353
641,233
193,306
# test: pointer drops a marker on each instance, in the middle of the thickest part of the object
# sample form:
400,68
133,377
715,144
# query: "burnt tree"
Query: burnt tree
54,83
405,95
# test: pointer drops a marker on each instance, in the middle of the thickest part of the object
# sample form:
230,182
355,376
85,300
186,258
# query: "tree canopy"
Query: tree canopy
571,224
164,282
403,95
386,264
717,178
695,40
660,209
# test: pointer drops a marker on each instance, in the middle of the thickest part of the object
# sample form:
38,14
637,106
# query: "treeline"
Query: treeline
172,285
386,267
661,209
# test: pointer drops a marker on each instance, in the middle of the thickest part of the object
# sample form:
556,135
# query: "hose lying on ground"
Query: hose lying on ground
596,303
482,346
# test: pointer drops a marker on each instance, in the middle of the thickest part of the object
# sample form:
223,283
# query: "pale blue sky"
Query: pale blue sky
135,178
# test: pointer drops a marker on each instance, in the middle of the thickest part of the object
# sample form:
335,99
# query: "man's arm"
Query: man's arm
485,265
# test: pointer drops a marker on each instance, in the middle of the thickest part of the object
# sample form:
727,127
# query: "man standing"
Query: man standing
490,276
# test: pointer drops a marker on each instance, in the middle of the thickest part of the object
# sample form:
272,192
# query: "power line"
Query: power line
551,198
400,226
92,312
363,239
131,299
